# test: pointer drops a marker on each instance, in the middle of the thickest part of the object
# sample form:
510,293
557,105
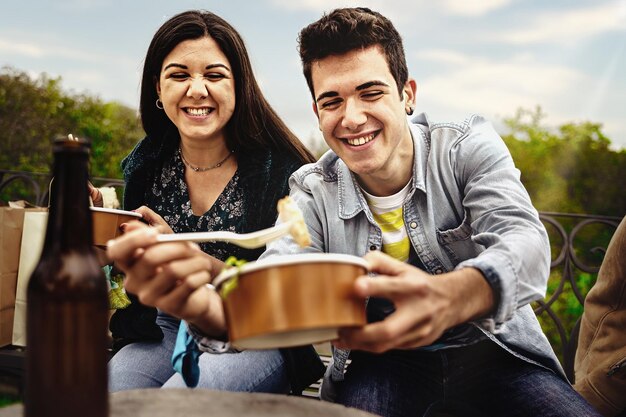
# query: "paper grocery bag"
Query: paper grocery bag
11,221
11,225
33,233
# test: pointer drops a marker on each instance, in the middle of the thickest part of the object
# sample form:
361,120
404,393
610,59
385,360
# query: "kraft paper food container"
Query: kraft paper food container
291,300
106,223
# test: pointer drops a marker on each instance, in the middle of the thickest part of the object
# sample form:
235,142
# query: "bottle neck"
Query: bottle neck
69,218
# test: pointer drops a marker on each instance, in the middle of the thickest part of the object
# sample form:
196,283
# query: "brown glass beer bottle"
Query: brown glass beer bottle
67,302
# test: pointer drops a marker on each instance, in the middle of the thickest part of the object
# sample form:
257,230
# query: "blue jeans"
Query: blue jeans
147,365
477,380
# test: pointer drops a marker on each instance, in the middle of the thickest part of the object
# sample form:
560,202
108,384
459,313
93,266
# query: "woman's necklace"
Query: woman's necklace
202,169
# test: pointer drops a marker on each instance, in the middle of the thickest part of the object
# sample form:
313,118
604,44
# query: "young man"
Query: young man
450,320
450,317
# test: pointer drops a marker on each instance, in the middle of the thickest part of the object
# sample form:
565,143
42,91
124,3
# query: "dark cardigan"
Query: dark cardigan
264,178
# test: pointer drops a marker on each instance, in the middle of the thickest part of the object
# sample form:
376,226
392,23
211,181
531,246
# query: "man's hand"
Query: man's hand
170,276
426,305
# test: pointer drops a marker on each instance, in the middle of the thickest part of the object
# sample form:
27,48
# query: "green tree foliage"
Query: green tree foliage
34,111
571,170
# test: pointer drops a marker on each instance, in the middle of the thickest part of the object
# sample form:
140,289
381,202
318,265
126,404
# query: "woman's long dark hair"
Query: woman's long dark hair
254,124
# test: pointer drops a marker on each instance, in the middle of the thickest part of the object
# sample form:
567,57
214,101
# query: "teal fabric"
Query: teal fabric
185,356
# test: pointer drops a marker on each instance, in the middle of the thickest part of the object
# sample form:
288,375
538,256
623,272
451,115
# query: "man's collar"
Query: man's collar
351,200
420,133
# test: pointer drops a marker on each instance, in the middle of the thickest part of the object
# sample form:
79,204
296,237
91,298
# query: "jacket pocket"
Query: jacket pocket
618,369
457,242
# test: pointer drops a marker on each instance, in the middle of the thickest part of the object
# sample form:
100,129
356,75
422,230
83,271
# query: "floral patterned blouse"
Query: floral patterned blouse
169,197
154,175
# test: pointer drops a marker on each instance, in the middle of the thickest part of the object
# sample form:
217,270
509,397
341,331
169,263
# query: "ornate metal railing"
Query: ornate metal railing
578,242
34,186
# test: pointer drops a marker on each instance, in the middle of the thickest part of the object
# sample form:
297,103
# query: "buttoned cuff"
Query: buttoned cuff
500,313
208,344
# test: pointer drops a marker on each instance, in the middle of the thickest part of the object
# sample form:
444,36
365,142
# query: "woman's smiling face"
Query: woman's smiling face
197,88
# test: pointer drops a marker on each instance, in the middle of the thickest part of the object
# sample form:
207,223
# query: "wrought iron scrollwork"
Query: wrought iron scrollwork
565,233
33,186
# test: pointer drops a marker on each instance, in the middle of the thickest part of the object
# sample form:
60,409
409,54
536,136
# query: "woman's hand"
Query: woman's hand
95,195
154,219
170,276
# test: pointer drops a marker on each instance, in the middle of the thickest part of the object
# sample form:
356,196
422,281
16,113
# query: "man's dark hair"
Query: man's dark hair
348,29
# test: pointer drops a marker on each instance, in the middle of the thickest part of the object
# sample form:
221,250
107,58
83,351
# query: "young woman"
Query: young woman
216,157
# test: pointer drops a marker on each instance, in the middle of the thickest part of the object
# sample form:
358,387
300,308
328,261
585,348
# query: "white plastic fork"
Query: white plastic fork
251,240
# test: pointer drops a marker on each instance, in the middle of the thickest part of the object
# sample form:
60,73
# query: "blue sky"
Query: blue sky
487,56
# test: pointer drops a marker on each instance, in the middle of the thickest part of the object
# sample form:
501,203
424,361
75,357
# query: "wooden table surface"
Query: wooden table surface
202,402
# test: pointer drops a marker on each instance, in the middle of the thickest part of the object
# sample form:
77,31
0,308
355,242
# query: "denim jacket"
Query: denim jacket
466,208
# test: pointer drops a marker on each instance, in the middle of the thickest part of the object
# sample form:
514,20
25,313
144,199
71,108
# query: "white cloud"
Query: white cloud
494,83
615,130
397,10
400,12
497,88
569,25
605,82
493,87
85,5
473,8
40,50
313,5
89,78
47,50
81,71
443,56
23,49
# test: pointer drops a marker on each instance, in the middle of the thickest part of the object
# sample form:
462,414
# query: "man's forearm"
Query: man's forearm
470,294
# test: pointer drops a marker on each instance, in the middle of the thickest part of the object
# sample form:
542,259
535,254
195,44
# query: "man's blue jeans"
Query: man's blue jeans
477,380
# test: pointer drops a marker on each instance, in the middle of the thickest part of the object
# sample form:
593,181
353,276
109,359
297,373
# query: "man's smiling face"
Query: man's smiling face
363,117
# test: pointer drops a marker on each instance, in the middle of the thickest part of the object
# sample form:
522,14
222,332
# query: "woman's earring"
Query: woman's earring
409,111
159,104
